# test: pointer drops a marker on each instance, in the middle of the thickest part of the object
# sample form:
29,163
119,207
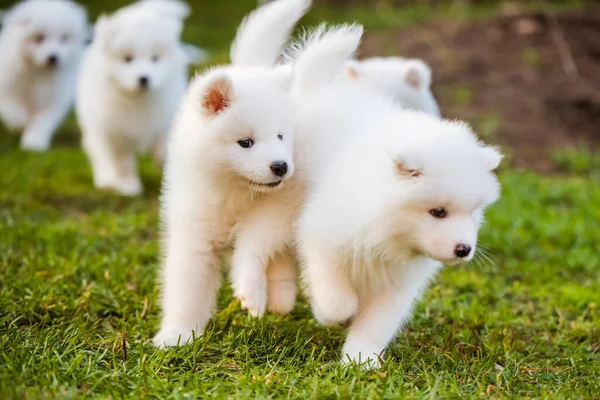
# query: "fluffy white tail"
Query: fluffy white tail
320,56
263,33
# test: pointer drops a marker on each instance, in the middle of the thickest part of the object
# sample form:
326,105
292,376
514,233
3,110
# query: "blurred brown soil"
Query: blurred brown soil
516,70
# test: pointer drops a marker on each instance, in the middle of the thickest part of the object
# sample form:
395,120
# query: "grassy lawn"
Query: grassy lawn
78,300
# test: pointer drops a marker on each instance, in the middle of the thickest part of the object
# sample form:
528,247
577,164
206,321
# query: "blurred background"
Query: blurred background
525,73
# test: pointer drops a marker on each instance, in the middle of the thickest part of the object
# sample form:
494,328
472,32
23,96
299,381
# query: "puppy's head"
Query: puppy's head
443,180
51,33
247,126
141,49
406,80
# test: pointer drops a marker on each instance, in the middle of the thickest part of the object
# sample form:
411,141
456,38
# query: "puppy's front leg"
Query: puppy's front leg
13,114
374,327
112,167
41,128
249,271
260,240
190,282
333,298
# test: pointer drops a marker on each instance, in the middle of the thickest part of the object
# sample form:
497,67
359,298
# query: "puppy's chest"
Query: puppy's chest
138,125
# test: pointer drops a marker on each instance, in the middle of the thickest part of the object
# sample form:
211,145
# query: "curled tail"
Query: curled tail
263,33
320,56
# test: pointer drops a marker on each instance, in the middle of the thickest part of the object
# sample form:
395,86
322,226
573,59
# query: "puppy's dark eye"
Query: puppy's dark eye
280,136
246,143
127,58
39,38
439,212
155,58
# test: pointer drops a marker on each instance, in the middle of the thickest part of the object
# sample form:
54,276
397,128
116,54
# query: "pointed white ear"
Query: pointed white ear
217,95
352,69
491,157
416,73
104,30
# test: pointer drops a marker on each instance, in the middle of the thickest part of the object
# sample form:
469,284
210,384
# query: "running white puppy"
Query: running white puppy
406,80
263,270
41,43
132,79
392,195
230,147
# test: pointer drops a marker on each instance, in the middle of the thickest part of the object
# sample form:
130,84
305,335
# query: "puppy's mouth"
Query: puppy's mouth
265,185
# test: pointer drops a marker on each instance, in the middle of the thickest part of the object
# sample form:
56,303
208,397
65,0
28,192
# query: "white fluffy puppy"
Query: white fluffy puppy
393,194
230,147
41,43
406,80
132,79
263,270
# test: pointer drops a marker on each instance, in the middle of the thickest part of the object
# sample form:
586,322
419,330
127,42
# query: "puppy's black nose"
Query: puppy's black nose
52,60
279,168
144,82
462,250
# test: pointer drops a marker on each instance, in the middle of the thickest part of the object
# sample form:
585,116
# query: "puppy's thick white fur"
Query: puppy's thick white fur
368,242
41,43
235,124
407,80
262,266
133,76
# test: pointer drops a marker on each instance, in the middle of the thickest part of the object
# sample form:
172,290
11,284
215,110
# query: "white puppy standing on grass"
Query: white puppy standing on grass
392,195
132,79
41,44
231,146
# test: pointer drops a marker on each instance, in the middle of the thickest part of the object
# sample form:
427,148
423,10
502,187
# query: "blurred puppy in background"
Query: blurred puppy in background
132,79
41,44
407,80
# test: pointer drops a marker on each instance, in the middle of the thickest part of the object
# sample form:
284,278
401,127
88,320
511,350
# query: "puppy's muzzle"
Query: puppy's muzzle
279,168
462,250
52,60
144,82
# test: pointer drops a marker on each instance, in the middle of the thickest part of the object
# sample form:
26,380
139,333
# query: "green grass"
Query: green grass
78,297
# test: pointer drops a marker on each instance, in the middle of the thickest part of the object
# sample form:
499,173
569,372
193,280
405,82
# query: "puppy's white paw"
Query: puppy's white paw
129,187
32,142
253,296
366,357
366,363
281,296
335,309
173,336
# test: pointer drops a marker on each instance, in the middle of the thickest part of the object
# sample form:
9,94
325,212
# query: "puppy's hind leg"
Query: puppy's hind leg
112,167
282,286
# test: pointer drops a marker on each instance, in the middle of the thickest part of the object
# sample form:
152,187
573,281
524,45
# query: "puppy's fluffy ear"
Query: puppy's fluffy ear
217,95
104,30
416,73
491,157
352,70
407,166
